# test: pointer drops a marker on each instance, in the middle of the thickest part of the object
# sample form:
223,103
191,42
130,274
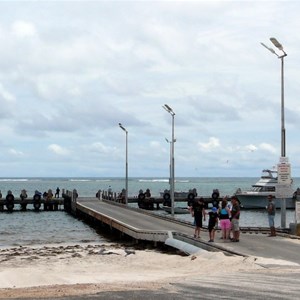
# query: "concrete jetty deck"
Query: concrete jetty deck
144,225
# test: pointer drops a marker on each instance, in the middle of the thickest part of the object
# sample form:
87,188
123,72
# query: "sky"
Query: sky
71,71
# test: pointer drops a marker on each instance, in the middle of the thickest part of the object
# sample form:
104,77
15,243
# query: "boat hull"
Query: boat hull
261,201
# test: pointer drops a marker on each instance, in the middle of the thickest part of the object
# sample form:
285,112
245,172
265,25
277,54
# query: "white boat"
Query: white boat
177,210
257,196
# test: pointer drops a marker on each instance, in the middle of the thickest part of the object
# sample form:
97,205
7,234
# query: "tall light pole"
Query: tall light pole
126,165
283,143
172,167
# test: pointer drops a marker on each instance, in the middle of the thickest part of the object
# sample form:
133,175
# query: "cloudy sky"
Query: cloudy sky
71,71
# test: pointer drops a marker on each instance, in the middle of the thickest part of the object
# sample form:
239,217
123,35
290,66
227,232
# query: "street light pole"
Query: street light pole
172,160
283,144
170,166
126,164
283,141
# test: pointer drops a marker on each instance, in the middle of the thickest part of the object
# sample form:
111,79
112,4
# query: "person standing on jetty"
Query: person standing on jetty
271,209
57,192
235,217
198,211
212,223
224,217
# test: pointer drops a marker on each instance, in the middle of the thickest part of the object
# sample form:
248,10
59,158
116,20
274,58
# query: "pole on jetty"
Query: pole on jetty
172,167
126,164
283,143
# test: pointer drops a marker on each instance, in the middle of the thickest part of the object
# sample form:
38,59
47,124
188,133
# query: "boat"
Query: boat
256,197
177,210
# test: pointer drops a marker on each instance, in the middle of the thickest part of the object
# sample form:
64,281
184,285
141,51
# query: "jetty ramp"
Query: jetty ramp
144,225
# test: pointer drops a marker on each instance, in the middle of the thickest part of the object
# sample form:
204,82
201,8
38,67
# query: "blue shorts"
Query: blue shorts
271,220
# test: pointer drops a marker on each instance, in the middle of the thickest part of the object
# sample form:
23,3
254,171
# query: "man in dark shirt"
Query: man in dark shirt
57,192
198,210
235,217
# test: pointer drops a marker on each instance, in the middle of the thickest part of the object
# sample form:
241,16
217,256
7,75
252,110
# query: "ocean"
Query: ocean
87,187
57,227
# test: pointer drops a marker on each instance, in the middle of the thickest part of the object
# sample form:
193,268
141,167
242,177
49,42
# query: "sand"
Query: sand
66,270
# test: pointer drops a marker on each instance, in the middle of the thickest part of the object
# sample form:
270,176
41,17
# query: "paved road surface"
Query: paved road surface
255,286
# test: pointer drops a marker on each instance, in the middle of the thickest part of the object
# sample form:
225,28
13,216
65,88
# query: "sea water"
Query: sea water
30,228
88,187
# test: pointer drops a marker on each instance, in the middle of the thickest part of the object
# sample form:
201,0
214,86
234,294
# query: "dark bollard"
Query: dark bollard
67,203
37,200
10,206
36,206
23,196
23,206
10,201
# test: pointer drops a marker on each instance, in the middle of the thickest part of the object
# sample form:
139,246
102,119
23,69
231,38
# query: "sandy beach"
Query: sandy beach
77,270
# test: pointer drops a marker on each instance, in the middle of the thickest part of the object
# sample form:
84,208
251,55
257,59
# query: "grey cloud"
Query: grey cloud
75,70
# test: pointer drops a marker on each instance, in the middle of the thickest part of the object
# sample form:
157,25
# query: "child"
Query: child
212,223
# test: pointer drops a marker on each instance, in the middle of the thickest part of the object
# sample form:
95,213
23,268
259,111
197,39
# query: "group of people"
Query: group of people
228,219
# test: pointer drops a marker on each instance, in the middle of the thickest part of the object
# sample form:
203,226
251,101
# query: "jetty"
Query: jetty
143,225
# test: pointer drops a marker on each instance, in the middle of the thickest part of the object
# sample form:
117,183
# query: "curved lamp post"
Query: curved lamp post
172,161
126,165
283,144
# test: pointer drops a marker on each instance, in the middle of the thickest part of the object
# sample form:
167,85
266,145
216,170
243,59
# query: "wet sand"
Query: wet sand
112,271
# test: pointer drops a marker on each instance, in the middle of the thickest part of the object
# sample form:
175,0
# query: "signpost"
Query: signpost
284,173
284,186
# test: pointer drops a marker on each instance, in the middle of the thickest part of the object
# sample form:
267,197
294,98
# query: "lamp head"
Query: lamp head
270,49
122,127
276,43
169,109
